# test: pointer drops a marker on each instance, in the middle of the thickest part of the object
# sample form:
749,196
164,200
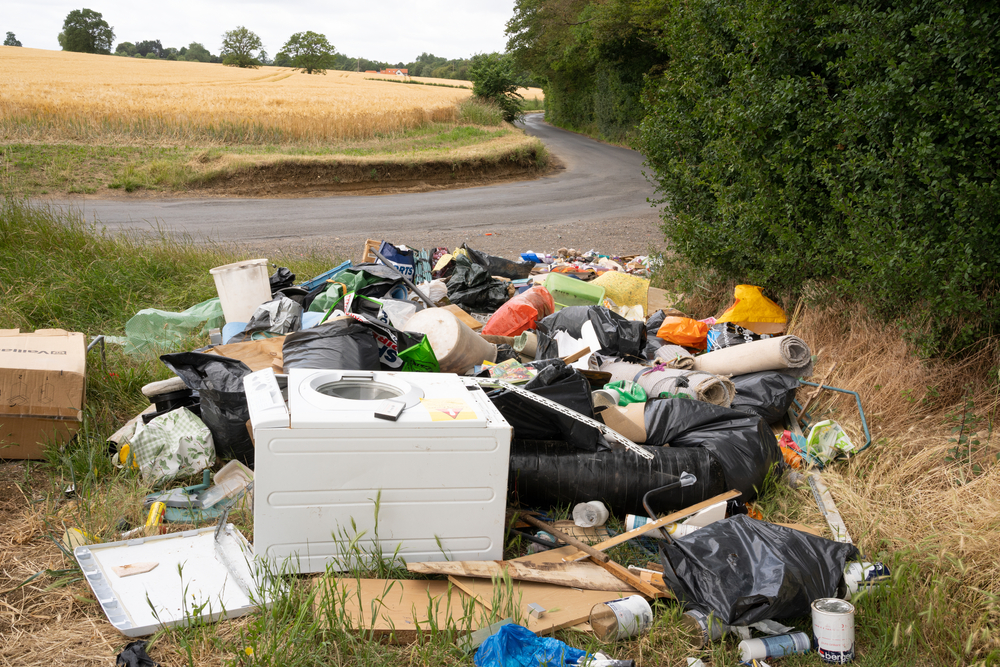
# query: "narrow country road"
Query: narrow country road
598,201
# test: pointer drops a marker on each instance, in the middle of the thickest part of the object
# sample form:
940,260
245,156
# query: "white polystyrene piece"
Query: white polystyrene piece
443,483
196,577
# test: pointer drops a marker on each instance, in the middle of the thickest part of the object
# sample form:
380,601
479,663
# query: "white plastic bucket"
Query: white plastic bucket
457,347
242,286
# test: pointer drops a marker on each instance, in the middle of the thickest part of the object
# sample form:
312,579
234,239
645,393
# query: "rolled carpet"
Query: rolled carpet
698,385
785,354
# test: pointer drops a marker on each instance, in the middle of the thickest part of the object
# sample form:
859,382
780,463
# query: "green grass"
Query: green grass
58,271
34,169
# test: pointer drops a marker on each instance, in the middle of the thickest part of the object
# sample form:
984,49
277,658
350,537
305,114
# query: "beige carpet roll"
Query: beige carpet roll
784,354
675,356
696,385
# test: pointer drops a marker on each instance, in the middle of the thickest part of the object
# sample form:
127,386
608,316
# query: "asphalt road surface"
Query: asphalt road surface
598,201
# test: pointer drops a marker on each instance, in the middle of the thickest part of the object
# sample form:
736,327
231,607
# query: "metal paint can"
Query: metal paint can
833,628
705,627
775,646
618,619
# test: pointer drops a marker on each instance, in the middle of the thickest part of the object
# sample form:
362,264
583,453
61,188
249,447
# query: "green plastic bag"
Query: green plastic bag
420,358
152,331
628,392
827,440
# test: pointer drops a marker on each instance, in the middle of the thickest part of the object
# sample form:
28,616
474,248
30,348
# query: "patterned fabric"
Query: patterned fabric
172,445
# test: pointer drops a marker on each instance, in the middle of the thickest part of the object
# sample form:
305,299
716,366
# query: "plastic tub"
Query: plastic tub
568,291
242,286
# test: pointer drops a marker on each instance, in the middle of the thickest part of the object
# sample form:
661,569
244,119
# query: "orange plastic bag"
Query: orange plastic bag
683,331
520,313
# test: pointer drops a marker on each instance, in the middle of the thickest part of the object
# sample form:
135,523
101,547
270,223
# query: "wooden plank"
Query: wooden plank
805,529
575,575
564,607
464,317
397,609
601,559
659,523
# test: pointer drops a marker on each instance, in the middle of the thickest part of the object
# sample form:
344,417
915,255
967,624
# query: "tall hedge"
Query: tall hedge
855,140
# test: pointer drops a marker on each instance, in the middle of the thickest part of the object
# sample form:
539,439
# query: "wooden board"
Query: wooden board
564,606
659,299
464,317
642,530
398,609
583,575
592,535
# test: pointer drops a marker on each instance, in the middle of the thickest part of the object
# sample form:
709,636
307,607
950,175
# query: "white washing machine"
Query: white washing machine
328,453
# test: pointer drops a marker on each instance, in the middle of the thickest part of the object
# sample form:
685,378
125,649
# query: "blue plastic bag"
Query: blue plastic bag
517,646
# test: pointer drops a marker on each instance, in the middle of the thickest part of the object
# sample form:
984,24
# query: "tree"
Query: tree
196,51
147,46
125,49
239,47
86,31
309,51
494,79
11,40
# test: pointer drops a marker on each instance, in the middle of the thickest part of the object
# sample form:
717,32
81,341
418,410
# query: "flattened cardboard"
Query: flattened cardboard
398,609
42,389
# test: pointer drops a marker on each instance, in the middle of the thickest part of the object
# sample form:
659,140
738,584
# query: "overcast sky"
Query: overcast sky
388,30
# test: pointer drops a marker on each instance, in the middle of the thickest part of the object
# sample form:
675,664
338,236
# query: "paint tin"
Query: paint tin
833,628
775,646
705,627
618,619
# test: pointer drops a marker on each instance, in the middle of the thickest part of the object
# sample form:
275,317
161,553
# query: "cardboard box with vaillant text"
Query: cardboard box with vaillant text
42,390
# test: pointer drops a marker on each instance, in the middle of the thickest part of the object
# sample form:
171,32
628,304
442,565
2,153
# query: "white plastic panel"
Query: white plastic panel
194,571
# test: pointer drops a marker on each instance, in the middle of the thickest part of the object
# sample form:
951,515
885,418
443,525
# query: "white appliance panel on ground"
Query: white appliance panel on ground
440,484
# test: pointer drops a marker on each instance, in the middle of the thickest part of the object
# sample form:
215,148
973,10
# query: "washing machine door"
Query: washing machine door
319,398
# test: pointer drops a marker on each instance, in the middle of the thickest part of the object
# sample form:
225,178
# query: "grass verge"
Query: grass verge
915,499
476,144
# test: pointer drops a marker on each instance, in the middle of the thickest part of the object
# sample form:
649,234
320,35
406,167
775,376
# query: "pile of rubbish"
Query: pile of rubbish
456,393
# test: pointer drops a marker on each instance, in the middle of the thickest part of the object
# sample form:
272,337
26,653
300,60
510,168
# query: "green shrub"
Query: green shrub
857,141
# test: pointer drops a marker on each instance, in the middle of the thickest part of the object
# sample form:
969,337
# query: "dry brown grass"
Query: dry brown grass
58,97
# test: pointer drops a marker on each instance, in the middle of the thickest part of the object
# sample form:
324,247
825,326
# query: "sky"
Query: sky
388,30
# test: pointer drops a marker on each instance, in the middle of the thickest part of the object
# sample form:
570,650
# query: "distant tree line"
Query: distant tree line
85,30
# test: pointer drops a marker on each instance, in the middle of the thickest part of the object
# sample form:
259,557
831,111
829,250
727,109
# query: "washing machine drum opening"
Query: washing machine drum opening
359,390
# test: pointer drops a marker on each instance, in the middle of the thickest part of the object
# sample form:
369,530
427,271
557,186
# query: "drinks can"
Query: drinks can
775,646
618,619
157,511
833,628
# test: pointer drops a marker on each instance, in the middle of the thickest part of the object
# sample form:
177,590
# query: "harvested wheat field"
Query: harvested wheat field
55,96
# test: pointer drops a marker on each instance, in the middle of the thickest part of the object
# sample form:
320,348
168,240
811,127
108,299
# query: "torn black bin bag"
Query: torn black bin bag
546,474
742,443
747,571
280,279
498,266
342,344
219,383
546,347
533,421
473,288
134,655
619,337
653,342
767,394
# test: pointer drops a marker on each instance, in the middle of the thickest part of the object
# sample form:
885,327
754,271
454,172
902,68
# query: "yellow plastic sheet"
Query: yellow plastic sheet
625,289
752,310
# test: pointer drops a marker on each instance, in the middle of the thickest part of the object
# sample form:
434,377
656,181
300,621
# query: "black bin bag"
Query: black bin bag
219,382
498,266
767,394
618,337
533,421
742,443
473,288
745,571
546,474
343,344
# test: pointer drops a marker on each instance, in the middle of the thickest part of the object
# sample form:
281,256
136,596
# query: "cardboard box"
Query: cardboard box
42,390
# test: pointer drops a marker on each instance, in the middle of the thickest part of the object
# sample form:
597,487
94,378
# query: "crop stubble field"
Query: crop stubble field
53,98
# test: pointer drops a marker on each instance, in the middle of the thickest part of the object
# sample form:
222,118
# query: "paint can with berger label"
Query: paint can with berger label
833,628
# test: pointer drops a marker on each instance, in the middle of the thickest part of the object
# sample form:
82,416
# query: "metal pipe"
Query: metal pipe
864,421
409,283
